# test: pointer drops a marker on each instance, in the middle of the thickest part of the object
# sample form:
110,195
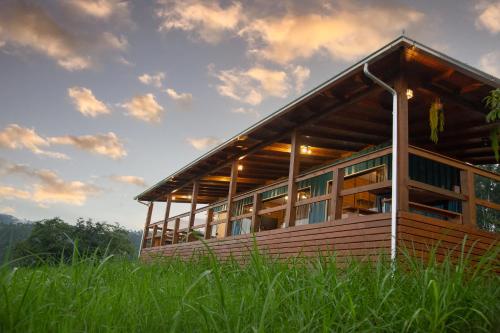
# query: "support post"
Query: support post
155,229
293,171
232,191
208,227
165,219
401,85
146,226
175,238
469,209
336,198
192,213
256,205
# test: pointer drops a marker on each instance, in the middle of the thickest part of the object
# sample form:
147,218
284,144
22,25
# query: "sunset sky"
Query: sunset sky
101,98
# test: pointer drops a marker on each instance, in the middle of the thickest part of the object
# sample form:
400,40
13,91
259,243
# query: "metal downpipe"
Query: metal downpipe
394,183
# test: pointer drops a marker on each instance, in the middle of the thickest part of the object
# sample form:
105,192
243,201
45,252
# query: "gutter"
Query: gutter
394,204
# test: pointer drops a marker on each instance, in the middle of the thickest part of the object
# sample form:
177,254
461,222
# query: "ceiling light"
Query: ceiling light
240,167
305,150
409,93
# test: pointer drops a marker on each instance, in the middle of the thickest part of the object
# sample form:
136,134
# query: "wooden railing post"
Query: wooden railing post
192,213
208,227
165,219
336,198
155,229
401,86
469,210
256,205
146,225
232,191
293,171
175,238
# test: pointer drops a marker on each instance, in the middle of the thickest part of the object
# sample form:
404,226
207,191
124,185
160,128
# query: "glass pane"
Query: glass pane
488,219
241,226
487,189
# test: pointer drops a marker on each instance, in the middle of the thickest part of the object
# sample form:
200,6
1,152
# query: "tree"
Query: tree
54,240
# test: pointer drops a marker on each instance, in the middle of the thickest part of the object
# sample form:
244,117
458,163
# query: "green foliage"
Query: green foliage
54,240
263,295
492,102
436,119
10,234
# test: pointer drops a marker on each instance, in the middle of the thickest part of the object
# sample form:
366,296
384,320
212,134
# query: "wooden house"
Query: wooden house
322,174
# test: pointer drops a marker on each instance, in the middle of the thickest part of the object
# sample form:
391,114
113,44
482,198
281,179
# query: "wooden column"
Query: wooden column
192,213
401,85
155,229
232,191
293,171
146,226
336,199
208,227
175,238
469,209
256,205
165,219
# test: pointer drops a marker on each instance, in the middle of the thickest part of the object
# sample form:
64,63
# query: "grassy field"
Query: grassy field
262,296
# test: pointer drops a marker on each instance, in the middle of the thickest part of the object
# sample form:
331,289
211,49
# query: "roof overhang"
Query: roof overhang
309,107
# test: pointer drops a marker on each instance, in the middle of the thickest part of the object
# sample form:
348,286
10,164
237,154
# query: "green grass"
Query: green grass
261,296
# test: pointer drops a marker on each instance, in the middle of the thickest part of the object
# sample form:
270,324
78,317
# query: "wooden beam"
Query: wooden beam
146,225
165,219
155,229
469,209
175,238
226,179
256,206
292,185
208,227
194,201
232,191
336,199
401,85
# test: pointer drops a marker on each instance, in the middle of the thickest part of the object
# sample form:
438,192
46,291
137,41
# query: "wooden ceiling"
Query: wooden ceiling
344,116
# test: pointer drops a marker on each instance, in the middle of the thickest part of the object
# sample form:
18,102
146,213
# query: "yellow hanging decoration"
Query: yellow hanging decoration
436,119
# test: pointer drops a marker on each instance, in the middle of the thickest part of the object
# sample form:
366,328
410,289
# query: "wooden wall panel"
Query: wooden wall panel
418,234
363,236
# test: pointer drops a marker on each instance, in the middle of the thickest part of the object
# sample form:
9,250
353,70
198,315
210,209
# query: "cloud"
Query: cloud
153,79
344,31
101,9
115,42
184,100
283,33
29,26
206,20
203,143
48,186
108,144
17,137
7,209
490,63
144,107
122,60
86,103
488,16
249,111
300,74
7,192
251,86
134,180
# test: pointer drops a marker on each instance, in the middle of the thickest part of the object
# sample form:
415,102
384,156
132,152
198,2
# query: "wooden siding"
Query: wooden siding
418,234
361,237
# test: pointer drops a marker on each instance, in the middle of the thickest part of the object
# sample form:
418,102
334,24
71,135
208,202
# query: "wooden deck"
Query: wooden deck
359,237
363,237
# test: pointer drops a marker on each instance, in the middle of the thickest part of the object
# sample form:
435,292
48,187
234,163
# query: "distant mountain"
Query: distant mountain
9,219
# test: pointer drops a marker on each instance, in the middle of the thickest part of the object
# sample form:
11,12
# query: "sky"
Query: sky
100,99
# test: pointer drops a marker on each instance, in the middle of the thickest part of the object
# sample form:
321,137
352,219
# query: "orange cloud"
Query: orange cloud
86,103
145,108
108,144
134,180
203,143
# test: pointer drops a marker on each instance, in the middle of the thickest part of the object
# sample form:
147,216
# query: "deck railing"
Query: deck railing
347,194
